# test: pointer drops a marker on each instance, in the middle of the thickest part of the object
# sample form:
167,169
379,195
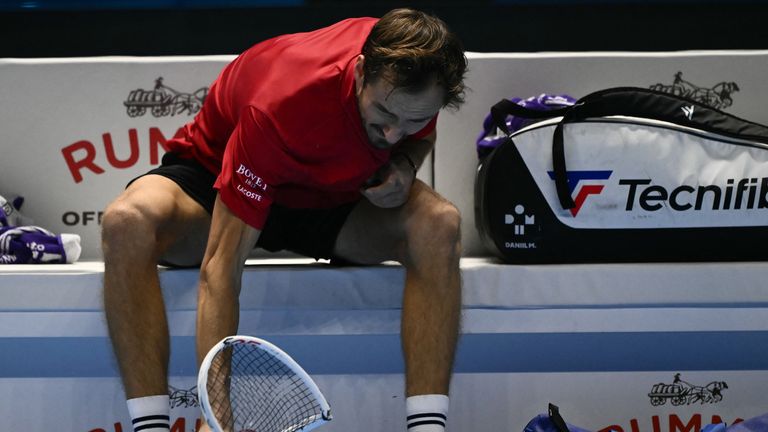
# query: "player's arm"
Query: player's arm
392,184
229,242
410,154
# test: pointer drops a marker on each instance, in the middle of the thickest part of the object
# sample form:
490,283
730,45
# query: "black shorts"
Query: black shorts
308,232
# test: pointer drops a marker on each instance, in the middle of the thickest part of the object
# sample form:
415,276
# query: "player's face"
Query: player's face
390,115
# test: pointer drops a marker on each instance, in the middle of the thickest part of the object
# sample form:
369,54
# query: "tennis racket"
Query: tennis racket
246,384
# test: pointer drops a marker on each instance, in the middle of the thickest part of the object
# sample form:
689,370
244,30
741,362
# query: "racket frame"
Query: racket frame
202,381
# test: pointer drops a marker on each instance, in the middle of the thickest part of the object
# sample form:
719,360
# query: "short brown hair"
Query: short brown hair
411,49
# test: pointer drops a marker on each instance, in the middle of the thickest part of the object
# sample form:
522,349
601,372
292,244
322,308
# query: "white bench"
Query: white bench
594,339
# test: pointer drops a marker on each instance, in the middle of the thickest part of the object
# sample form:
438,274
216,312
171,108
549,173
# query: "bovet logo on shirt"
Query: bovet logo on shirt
251,180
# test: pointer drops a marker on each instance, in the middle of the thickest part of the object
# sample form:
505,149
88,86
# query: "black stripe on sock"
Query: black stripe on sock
152,417
152,425
422,415
426,422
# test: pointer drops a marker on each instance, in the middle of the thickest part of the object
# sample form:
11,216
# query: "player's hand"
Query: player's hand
203,426
391,185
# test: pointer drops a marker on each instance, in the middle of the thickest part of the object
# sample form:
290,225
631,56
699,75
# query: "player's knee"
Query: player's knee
447,222
125,226
438,230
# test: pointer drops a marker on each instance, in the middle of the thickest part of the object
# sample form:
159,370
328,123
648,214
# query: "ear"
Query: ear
359,74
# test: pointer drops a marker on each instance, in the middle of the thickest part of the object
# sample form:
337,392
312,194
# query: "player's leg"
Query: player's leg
423,235
152,219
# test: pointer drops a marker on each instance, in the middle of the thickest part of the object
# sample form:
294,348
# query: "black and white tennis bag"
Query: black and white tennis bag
625,175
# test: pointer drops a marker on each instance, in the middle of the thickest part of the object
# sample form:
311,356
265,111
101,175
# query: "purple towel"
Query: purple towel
35,245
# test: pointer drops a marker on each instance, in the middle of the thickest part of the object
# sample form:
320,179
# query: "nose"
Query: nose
393,134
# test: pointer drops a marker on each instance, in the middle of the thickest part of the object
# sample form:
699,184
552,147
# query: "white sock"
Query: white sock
426,413
150,414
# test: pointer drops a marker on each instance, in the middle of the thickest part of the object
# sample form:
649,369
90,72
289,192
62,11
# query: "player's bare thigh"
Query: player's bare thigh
372,234
176,224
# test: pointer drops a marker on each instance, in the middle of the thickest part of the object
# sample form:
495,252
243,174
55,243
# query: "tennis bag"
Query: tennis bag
624,175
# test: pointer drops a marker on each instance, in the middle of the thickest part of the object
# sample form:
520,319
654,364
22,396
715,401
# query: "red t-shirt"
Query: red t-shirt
281,124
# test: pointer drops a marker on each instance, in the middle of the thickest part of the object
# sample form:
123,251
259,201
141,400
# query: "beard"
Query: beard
376,140
380,144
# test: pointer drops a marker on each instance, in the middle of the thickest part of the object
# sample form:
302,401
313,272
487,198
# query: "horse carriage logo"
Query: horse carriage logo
718,97
684,393
164,101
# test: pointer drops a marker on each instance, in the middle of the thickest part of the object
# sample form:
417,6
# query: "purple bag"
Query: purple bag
551,422
490,137
755,424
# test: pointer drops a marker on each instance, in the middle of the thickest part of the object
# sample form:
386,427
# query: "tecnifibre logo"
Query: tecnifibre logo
736,194
576,177
644,195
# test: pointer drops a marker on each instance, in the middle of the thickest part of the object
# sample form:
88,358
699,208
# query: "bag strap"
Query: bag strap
561,172
506,107
652,104
557,420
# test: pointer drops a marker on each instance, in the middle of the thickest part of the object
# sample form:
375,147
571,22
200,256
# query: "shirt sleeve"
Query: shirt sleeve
253,168
426,130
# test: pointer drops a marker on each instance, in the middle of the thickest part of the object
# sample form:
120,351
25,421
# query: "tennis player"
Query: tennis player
307,142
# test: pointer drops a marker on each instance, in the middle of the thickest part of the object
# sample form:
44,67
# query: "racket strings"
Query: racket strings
252,390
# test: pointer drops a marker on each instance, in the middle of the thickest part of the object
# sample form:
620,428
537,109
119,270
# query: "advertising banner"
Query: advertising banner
663,401
76,131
